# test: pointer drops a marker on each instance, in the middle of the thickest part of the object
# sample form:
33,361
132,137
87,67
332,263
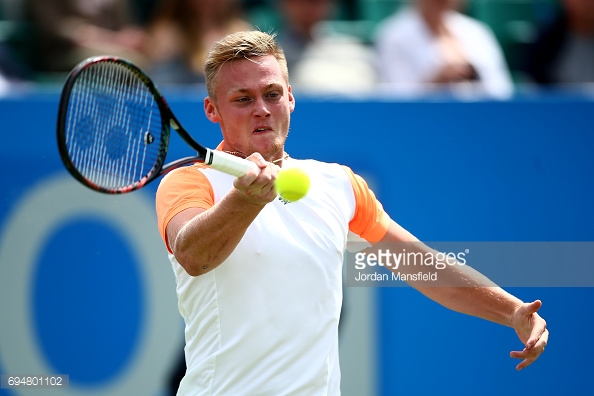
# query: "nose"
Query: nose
261,108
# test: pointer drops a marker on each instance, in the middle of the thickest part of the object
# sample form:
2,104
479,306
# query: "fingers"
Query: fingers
538,323
532,330
525,363
529,355
527,309
533,307
258,159
258,187
538,329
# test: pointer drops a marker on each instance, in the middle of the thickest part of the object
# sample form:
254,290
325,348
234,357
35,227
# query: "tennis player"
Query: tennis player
259,280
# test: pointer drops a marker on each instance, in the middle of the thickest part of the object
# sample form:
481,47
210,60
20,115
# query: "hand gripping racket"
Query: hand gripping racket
114,129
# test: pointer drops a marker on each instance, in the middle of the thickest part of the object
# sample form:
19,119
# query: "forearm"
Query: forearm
207,239
463,289
458,287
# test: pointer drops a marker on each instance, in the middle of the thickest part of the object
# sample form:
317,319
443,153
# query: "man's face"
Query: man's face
253,106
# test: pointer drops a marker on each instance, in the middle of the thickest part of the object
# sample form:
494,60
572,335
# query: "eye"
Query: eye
274,95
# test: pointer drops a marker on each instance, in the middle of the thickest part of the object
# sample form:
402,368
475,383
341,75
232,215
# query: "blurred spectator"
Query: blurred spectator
4,82
430,45
318,58
182,32
563,52
68,31
12,73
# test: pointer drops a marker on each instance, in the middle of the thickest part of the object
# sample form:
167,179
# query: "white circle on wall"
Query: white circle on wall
29,225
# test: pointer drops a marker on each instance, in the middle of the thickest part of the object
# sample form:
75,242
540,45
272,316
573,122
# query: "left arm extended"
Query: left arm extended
465,290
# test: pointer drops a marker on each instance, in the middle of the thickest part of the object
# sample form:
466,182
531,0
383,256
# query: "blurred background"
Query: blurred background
470,119
41,40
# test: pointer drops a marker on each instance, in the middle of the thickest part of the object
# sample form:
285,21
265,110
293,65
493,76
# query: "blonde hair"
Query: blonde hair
241,45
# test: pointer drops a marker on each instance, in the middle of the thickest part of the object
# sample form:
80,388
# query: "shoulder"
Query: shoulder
183,175
337,178
181,189
183,181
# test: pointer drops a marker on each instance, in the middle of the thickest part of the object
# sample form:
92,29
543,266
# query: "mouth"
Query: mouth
262,129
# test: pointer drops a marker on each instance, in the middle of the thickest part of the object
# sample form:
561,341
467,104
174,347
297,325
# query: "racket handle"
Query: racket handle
228,163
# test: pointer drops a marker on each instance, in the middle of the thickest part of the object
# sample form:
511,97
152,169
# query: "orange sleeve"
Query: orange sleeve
179,190
370,221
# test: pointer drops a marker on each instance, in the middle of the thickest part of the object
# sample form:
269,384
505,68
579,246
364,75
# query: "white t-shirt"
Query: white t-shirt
265,321
409,56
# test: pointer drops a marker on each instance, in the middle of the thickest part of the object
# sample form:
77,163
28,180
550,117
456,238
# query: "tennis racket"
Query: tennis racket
114,128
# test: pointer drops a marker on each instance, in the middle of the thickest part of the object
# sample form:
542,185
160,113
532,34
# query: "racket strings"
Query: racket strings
113,127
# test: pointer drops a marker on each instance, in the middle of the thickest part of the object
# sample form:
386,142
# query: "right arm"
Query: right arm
202,239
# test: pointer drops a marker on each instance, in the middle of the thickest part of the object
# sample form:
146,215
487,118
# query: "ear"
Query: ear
291,99
211,110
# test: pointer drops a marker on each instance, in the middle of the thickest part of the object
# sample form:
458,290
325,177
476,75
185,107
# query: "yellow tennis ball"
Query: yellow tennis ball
292,184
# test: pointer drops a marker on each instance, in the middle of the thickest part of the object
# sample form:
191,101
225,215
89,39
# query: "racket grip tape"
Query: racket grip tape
228,163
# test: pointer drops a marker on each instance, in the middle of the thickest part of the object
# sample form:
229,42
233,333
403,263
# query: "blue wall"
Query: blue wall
521,170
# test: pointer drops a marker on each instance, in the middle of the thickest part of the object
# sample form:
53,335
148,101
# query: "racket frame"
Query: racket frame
216,159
